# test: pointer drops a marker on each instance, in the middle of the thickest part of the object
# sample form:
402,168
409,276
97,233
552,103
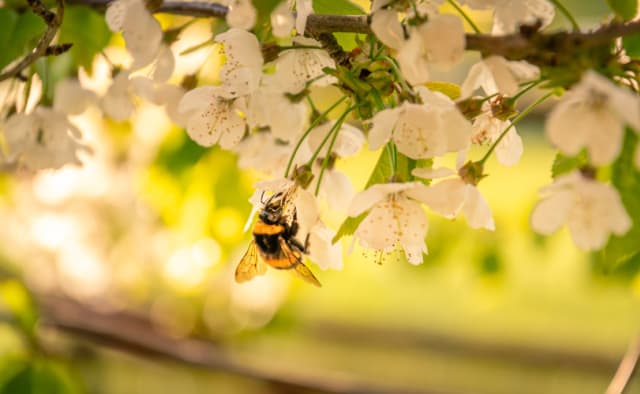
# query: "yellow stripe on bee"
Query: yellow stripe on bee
262,228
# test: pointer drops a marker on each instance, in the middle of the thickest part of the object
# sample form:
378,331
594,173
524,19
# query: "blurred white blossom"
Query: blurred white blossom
510,14
593,115
242,14
495,74
590,209
487,128
282,20
296,67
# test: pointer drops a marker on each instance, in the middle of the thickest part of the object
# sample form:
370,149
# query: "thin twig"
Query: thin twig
626,369
53,24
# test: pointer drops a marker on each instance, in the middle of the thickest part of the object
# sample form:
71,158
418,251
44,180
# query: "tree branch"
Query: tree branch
53,21
537,48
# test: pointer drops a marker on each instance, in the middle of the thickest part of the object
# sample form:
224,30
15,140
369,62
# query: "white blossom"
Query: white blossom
591,210
141,31
269,107
45,138
242,69
282,21
395,218
263,152
71,98
117,102
422,131
348,142
486,129
213,116
296,67
495,74
439,41
593,115
386,26
510,14
242,14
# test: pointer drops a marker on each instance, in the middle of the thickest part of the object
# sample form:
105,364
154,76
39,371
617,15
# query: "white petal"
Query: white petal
419,133
509,150
322,251
477,210
307,208
412,60
336,188
382,127
605,138
282,21
386,26
457,130
242,14
165,63
551,213
71,98
373,195
303,9
413,228
115,14
505,81
196,99
479,75
296,67
379,229
443,35
445,198
564,126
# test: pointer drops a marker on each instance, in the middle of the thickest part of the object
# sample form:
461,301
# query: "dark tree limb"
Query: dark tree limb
53,21
542,49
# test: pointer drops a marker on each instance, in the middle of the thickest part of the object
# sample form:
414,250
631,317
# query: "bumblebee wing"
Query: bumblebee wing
298,267
250,265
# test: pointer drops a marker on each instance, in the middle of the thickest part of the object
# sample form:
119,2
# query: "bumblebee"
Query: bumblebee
274,242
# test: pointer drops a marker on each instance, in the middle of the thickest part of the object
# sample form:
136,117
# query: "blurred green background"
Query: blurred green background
129,262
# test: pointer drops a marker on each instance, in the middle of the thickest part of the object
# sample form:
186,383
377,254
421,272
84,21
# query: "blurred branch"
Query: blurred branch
53,21
135,334
626,369
535,47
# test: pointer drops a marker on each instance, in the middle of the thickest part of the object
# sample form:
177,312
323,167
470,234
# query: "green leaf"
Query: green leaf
626,9
339,7
39,378
564,164
626,178
88,32
447,88
16,299
8,21
19,34
631,45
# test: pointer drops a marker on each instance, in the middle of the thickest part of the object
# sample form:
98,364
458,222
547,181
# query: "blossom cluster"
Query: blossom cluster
262,107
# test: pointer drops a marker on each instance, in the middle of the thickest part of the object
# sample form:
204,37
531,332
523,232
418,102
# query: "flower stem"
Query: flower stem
532,84
335,130
313,124
567,14
396,71
464,15
522,114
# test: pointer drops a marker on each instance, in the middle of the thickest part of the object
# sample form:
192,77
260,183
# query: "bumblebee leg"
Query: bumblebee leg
295,244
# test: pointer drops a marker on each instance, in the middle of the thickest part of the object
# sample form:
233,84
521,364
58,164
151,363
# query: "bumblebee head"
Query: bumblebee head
272,210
